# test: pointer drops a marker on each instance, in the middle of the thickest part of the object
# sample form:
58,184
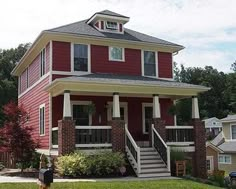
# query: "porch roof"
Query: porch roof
124,84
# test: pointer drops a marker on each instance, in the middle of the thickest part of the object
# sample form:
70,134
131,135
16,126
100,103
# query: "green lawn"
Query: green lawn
162,184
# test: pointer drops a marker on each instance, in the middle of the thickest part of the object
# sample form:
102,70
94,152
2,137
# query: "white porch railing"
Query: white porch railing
179,135
55,137
133,151
93,136
161,147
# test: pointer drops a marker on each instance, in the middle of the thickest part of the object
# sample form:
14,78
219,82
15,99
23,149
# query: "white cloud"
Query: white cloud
200,25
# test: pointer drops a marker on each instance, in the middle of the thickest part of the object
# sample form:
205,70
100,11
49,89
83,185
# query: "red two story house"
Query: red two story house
96,84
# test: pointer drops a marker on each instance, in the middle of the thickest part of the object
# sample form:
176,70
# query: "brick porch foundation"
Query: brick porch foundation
117,135
199,156
66,136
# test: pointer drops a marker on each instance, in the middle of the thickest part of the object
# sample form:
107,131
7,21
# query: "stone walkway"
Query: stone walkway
8,179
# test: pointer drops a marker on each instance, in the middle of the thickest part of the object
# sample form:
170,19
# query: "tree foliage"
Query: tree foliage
8,83
16,134
217,102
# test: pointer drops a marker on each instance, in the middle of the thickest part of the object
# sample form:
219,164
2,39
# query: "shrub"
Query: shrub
218,177
104,163
1,166
71,165
98,164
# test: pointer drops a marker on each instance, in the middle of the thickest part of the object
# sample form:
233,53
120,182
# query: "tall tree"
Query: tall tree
8,83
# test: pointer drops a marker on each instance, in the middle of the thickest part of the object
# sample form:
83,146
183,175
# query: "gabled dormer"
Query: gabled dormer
108,21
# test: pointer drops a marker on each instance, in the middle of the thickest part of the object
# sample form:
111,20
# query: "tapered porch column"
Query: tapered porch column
158,123
199,156
195,109
67,105
116,106
118,127
66,128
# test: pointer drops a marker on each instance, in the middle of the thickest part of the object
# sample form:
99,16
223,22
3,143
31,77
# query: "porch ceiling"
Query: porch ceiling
107,84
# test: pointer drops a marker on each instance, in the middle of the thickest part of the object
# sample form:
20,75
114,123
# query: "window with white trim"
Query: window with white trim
111,25
42,119
80,57
42,62
116,53
233,131
149,61
224,159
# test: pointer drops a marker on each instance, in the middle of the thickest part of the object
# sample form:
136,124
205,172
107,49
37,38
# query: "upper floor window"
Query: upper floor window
42,62
42,119
149,63
224,159
233,131
111,25
116,53
80,57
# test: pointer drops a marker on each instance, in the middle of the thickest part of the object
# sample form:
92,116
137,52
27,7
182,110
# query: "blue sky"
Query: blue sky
207,28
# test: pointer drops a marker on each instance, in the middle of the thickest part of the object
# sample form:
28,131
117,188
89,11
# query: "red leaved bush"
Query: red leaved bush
15,135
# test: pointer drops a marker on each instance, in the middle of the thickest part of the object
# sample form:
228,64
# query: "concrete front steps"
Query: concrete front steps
151,164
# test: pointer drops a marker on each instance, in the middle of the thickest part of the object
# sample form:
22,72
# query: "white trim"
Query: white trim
69,73
211,159
179,127
40,107
117,60
183,148
175,116
156,107
156,63
81,103
180,143
93,127
50,59
54,146
32,86
55,129
153,129
143,114
225,155
231,135
72,58
195,109
93,145
66,105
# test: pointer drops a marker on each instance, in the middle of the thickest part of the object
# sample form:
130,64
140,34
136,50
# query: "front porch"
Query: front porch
127,118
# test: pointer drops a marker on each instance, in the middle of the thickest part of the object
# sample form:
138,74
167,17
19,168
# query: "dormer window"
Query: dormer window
111,25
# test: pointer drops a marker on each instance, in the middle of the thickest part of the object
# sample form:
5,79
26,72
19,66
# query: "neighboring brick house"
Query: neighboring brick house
83,82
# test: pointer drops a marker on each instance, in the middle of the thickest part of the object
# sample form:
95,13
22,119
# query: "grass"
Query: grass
162,184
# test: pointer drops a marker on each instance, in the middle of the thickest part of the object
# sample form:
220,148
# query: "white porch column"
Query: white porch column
156,106
195,109
116,105
67,105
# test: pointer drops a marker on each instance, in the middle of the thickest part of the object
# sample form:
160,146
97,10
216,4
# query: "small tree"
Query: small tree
16,135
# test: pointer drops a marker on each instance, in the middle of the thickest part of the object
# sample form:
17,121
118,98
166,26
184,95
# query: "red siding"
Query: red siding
121,27
102,25
34,71
134,111
100,61
23,81
165,65
47,67
61,56
31,101
97,24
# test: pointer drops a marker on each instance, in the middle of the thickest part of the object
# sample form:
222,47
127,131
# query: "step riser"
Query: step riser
154,166
154,175
158,170
150,157
151,161
147,149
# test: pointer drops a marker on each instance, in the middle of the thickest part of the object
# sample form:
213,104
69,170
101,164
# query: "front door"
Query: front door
123,111
210,164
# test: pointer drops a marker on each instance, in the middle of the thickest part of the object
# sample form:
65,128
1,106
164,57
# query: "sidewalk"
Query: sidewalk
8,179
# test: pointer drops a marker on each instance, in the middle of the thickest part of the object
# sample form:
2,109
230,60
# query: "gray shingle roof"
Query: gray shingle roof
219,139
228,147
82,28
130,80
110,13
229,118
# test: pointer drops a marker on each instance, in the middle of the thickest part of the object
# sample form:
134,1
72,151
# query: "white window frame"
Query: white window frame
211,159
113,59
82,103
156,63
112,28
40,107
42,65
122,105
72,59
143,114
224,155
231,133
